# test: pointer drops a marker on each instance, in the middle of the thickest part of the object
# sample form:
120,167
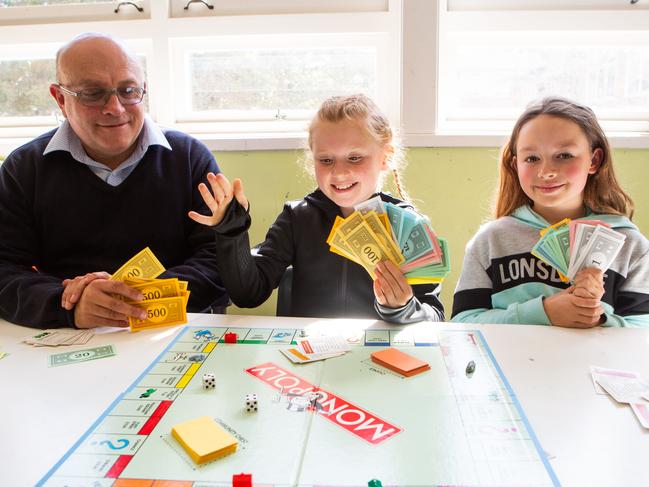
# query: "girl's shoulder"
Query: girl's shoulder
313,203
503,236
635,241
501,227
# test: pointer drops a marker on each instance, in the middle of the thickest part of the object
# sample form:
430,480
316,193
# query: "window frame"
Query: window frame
423,59
414,29
154,38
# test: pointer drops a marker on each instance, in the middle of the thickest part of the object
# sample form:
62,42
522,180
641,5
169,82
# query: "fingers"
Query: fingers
99,307
208,197
97,321
237,187
73,288
217,198
378,292
393,286
590,272
117,287
202,219
585,302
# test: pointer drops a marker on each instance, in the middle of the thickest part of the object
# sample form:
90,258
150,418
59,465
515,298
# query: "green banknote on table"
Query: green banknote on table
75,356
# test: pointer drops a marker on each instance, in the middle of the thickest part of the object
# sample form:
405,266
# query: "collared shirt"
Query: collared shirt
66,140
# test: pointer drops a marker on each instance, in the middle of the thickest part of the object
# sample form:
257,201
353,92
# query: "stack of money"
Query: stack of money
379,231
165,300
572,245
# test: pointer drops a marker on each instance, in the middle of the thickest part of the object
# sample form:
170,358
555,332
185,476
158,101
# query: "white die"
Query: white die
208,381
251,403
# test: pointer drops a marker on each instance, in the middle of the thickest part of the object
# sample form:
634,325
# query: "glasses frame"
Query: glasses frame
107,95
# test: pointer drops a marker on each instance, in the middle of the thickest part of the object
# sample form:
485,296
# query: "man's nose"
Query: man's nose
113,105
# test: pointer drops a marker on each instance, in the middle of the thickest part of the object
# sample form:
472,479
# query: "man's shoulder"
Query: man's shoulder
28,155
33,147
176,138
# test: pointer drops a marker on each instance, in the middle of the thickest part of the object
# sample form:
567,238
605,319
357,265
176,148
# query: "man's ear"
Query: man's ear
596,160
58,96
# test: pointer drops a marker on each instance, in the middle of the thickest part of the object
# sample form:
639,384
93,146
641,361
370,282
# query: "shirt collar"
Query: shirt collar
64,139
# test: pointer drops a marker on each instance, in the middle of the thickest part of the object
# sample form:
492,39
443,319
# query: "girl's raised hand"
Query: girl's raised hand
390,286
219,198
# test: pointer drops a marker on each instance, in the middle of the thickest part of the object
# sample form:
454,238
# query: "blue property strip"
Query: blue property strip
527,424
108,410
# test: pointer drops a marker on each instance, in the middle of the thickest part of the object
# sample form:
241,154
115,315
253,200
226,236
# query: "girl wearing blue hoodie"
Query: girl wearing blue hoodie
557,164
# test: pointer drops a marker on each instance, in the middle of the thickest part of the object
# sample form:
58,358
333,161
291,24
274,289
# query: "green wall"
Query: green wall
454,187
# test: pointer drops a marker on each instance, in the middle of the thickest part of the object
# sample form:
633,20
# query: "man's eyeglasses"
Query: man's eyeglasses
97,97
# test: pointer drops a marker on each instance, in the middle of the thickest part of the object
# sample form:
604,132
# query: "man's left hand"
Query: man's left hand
73,288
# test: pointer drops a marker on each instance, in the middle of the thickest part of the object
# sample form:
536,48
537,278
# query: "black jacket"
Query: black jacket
325,284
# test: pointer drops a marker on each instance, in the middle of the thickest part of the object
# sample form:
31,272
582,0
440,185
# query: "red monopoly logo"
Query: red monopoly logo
354,419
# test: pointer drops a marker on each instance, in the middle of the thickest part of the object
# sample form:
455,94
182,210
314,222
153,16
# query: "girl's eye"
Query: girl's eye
355,158
531,159
565,155
326,161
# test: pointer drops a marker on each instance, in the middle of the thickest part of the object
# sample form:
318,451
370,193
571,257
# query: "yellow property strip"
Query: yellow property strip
184,380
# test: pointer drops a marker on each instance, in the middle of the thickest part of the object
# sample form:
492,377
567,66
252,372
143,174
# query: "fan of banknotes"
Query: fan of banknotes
165,300
379,231
572,245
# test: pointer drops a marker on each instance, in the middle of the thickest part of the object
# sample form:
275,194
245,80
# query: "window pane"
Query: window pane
268,79
24,88
496,81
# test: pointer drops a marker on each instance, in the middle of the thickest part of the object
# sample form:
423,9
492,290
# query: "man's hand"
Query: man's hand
98,307
73,288
571,311
219,199
390,286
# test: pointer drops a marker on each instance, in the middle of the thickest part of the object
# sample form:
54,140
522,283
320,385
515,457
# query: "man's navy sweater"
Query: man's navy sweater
58,220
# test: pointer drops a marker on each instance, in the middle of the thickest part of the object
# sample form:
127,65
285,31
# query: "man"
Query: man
77,202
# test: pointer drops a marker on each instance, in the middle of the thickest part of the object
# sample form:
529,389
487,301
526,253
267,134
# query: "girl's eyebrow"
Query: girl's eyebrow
527,148
560,145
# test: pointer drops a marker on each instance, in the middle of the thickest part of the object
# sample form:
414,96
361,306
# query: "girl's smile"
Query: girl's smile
553,161
348,162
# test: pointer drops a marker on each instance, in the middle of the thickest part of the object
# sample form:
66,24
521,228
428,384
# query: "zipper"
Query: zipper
343,285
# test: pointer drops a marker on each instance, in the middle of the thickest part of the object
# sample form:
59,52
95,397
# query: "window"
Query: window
235,84
250,74
240,71
496,56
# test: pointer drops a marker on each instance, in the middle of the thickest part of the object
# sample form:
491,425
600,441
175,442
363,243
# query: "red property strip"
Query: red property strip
155,418
118,466
354,419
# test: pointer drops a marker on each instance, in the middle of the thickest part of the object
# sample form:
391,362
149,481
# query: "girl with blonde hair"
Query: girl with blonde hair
351,146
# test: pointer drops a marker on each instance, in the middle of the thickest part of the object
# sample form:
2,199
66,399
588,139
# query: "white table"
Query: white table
591,440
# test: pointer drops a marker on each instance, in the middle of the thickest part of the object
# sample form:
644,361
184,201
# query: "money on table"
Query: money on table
74,356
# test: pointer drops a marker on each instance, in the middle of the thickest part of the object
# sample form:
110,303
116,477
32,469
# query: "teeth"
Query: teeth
344,187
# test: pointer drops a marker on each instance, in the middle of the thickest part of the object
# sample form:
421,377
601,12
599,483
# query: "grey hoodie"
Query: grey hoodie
502,282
